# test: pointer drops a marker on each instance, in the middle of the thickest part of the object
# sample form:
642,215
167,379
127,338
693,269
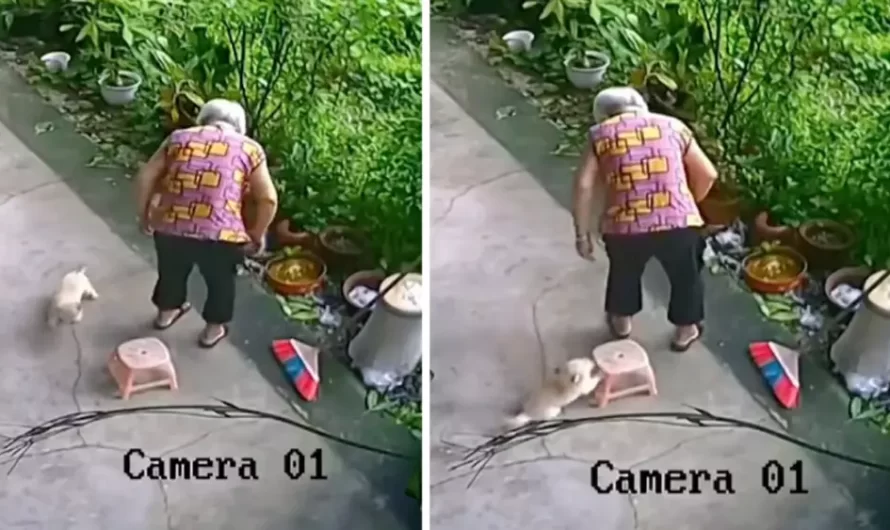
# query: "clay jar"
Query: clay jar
286,237
766,232
825,243
722,205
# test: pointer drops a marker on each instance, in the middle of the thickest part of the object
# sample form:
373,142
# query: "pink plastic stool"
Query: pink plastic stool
146,359
619,360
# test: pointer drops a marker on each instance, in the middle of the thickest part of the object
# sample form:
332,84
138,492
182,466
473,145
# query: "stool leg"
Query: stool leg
171,373
127,386
605,394
653,390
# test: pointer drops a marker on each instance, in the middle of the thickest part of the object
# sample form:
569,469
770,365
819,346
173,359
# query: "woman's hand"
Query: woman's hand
584,246
145,225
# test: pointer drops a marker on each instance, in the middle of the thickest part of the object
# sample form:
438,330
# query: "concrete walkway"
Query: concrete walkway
511,300
78,481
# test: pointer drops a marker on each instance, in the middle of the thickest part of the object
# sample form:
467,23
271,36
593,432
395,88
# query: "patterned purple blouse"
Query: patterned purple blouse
201,193
641,158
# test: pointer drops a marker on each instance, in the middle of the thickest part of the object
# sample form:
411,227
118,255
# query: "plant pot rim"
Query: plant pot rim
844,231
299,255
570,62
134,76
56,55
356,278
519,34
763,222
842,275
353,233
782,249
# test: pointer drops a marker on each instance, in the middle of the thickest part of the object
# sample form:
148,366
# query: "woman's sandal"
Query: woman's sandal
216,340
681,347
183,309
614,331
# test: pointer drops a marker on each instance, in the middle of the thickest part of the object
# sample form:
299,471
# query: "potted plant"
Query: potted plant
181,103
765,231
118,86
723,203
586,69
825,243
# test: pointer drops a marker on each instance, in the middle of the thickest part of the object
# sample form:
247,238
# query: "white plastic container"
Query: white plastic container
519,40
56,61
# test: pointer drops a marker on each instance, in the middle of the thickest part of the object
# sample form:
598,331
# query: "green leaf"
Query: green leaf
372,398
594,11
666,81
66,27
127,35
305,316
855,407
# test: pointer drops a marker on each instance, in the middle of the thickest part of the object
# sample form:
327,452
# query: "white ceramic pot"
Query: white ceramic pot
588,78
120,95
519,40
56,61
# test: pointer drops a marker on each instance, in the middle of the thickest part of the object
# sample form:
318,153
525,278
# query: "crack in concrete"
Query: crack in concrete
542,350
79,364
26,191
470,188
676,447
164,499
633,508
204,436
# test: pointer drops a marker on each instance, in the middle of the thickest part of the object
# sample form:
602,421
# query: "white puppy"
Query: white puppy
579,377
67,304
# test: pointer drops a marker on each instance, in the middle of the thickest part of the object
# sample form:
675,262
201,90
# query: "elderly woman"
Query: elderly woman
651,174
190,197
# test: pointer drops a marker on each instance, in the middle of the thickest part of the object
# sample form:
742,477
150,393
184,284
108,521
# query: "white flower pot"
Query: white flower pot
588,78
519,40
120,95
56,61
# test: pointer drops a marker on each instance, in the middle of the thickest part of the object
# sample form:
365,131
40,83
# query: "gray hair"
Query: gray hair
617,100
223,111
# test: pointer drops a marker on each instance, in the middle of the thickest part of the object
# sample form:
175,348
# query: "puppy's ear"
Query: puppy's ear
576,378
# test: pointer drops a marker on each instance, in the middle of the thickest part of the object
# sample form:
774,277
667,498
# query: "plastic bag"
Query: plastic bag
862,354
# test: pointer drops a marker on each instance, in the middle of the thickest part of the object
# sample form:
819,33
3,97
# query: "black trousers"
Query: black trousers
680,253
217,262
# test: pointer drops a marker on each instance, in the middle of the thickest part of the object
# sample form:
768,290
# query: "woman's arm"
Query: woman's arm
265,198
147,179
585,182
700,171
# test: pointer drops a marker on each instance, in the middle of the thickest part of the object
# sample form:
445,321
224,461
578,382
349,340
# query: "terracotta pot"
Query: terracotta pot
368,278
825,243
338,254
852,276
301,288
722,205
759,282
765,232
287,238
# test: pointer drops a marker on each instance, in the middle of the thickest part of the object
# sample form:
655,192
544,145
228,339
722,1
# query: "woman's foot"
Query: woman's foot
168,317
212,334
684,336
620,326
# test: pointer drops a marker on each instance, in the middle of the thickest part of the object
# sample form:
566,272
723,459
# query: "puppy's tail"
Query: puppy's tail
517,421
